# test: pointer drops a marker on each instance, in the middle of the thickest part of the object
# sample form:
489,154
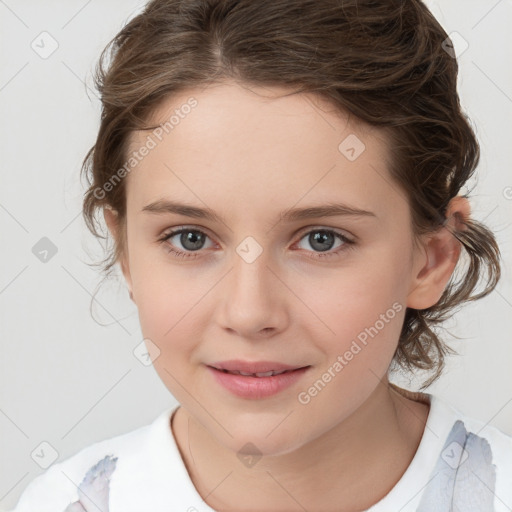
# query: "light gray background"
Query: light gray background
66,379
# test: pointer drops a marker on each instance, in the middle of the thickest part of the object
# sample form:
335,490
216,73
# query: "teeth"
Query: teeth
265,374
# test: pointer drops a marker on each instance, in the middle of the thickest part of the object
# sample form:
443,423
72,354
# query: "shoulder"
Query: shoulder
475,460
461,462
489,451
475,429
68,481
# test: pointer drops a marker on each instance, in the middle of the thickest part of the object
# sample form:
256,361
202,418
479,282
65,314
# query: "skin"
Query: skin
248,154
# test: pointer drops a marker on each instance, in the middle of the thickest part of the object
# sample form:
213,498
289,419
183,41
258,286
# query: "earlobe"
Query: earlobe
437,258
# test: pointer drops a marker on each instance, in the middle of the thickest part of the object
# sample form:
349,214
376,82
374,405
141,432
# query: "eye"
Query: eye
323,240
192,240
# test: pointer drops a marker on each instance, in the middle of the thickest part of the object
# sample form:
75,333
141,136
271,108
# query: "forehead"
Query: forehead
258,146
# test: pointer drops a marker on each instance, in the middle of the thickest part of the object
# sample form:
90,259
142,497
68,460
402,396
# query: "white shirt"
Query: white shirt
461,464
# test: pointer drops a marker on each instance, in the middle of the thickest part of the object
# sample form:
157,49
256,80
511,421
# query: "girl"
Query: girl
281,181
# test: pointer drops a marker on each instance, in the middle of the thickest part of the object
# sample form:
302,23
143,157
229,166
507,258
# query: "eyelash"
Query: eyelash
347,243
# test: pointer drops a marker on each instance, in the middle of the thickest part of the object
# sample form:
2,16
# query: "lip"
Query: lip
256,388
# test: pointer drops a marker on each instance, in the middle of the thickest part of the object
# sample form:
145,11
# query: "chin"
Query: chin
257,442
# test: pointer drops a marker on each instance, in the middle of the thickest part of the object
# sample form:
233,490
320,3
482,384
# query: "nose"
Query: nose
254,298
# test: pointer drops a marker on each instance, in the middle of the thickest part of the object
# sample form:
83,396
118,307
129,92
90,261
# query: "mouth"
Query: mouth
255,368
270,373
256,380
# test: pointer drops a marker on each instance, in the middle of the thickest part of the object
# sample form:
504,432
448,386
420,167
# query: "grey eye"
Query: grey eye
322,240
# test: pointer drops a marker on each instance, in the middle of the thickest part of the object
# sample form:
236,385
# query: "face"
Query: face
326,292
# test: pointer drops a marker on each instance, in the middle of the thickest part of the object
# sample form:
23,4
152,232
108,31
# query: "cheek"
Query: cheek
353,299
364,335
169,319
165,294
169,314
356,358
362,312
174,310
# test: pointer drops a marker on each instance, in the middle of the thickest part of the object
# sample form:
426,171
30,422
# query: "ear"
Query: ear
112,221
435,261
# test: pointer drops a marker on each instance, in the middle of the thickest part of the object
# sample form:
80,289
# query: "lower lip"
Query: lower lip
257,387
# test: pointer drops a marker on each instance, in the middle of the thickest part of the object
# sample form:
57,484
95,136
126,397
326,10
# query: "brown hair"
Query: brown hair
385,62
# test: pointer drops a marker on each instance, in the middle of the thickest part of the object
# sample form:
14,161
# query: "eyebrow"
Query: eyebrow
164,206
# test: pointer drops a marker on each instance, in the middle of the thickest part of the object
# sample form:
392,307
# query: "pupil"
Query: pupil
193,238
319,239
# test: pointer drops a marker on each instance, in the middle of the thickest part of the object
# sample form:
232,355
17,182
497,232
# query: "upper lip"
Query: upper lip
253,366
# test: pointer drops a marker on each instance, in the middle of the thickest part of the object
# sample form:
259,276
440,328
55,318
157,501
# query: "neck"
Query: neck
349,468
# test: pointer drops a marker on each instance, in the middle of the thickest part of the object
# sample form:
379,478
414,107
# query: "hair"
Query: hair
386,62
